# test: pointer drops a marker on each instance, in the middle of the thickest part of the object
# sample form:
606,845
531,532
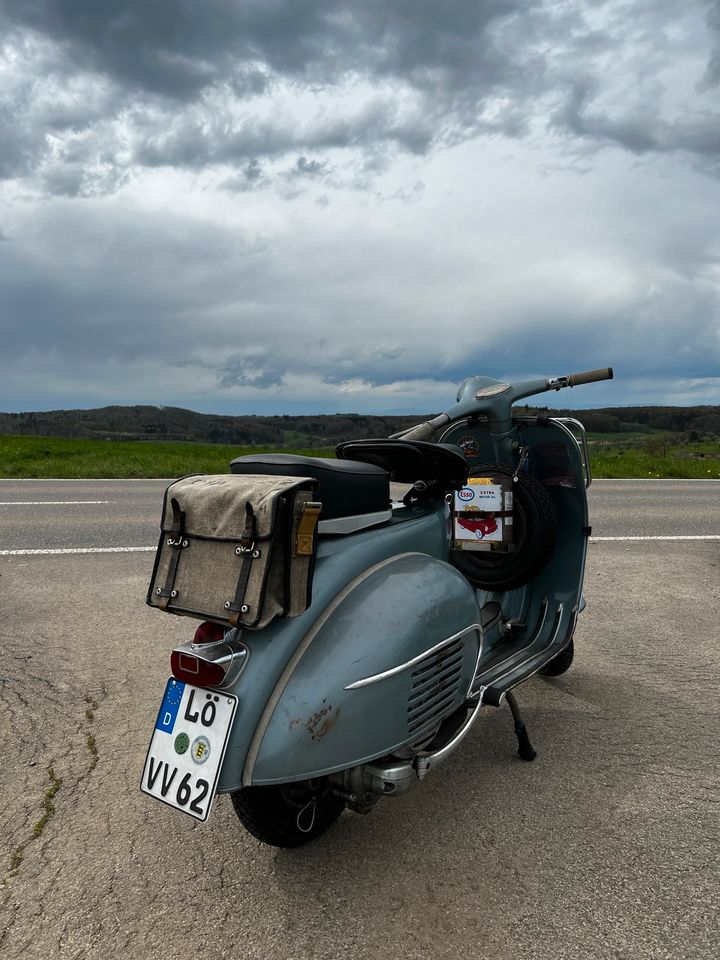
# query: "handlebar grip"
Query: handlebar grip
590,376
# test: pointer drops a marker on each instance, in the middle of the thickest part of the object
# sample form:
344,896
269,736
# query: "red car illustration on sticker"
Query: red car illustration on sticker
480,526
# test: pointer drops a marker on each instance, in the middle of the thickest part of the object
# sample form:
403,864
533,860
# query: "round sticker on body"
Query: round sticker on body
200,749
469,447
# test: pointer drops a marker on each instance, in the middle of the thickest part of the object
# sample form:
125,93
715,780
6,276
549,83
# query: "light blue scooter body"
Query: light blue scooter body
396,638
381,597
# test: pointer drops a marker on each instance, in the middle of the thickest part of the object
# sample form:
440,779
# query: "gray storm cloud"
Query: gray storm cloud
216,203
108,87
182,84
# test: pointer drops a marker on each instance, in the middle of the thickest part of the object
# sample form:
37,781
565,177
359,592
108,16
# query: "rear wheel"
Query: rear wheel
288,814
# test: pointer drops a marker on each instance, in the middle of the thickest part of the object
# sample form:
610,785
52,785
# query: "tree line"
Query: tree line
291,430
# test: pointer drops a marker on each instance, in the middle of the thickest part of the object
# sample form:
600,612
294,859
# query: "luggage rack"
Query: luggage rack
570,424
575,429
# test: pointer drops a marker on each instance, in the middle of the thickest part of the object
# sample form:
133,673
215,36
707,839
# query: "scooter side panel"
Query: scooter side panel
386,624
340,560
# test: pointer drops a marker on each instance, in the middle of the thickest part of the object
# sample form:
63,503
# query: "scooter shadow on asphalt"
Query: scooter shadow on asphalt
481,844
483,778
451,853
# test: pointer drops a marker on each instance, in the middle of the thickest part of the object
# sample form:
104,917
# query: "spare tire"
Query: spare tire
535,535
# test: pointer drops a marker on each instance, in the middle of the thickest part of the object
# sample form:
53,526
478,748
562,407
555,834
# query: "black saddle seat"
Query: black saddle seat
442,465
346,489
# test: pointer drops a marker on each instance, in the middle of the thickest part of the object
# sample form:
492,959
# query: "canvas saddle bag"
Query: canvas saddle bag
236,549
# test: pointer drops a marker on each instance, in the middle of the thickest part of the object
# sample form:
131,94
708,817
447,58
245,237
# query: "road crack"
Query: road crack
90,741
48,808
47,805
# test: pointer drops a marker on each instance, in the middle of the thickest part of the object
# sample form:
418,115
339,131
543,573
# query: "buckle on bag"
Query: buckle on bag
252,550
305,536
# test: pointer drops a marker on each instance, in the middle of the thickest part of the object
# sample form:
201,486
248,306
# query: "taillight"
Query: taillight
209,633
202,673
213,659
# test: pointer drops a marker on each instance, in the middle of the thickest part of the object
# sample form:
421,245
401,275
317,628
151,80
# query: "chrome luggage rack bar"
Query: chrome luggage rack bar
569,424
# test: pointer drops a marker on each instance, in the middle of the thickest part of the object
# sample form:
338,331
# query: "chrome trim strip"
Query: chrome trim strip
502,663
558,618
284,679
366,681
532,672
357,521
481,647
423,762
559,614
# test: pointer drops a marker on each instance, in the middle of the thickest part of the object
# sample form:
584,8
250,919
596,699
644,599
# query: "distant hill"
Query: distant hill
175,423
704,420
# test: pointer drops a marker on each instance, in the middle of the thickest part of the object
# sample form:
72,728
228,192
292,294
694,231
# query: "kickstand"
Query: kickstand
526,751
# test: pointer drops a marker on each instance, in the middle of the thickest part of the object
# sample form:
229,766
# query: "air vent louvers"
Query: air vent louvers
434,687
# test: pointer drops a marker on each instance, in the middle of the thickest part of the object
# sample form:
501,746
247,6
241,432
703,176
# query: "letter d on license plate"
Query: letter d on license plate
187,747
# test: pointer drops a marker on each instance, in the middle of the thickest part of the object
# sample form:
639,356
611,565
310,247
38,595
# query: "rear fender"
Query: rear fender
389,657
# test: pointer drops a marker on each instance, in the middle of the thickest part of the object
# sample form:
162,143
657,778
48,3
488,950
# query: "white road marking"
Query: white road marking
709,536
65,550
71,550
43,503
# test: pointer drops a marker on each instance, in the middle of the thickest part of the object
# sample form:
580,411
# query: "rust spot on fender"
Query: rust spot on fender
322,722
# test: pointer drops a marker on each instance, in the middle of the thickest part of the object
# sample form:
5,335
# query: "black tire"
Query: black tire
535,530
561,662
289,814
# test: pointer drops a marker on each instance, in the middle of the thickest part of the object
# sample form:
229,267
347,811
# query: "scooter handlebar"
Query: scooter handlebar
422,431
475,390
590,376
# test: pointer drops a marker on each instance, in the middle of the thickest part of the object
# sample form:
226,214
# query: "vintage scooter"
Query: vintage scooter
424,610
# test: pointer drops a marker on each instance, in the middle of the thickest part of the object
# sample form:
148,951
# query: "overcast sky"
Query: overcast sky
278,206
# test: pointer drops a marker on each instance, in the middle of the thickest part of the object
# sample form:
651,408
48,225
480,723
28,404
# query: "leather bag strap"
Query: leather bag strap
176,545
248,552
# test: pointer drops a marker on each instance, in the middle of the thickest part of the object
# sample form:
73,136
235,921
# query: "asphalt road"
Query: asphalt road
606,846
66,514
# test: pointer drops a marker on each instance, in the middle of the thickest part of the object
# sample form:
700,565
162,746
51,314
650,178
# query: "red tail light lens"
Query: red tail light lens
209,633
192,669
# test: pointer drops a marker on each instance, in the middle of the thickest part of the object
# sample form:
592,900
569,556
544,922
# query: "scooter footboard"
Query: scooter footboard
385,662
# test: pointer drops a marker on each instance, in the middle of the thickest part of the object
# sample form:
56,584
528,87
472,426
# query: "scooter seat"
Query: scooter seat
346,489
443,465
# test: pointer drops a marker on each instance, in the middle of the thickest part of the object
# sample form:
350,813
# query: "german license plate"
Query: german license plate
186,750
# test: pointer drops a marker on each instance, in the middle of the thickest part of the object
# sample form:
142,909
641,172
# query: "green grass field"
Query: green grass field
75,459
639,463
72,459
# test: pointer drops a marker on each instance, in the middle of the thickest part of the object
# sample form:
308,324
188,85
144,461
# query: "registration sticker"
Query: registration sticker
187,747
